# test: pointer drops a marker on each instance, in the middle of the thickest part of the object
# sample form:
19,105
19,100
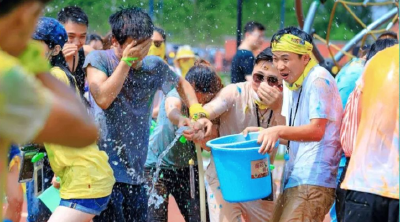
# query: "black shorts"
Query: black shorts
366,207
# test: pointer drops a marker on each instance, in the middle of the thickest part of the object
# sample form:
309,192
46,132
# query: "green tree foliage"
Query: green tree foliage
198,22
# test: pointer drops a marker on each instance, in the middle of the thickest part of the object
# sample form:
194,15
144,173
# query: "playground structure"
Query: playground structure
332,63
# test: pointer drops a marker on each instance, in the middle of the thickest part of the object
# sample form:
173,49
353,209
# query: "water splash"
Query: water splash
155,198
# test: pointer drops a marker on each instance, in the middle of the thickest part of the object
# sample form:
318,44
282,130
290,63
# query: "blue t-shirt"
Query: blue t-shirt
242,65
347,77
163,135
314,163
125,132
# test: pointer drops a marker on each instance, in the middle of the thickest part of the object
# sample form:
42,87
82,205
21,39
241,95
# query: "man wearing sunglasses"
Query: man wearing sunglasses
313,111
257,104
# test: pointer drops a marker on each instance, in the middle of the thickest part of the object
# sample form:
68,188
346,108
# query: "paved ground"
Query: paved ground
173,211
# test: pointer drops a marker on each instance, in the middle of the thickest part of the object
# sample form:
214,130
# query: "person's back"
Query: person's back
84,173
243,61
372,174
242,65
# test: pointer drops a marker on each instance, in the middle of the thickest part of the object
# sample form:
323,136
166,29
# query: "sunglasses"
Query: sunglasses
271,80
158,43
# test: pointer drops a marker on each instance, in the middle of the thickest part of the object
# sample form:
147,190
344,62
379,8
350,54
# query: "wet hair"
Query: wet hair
93,37
162,32
265,55
360,51
204,78
9,5
131,22
107,41
389,33
73,14
380,45
294,31
253,25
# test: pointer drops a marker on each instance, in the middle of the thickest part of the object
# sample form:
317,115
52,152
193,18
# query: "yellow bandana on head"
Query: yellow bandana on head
294,44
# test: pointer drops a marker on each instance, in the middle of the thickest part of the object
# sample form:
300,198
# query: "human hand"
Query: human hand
251,129
269,139
55,183
134,50
270,96
69,50
205,125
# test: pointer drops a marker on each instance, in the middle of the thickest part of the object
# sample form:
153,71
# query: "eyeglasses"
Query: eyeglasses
157,43
271,80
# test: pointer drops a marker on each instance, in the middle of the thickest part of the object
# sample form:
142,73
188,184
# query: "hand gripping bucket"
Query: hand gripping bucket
243,173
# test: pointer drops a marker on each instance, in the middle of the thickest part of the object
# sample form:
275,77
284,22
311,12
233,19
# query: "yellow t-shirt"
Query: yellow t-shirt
84,172
24,108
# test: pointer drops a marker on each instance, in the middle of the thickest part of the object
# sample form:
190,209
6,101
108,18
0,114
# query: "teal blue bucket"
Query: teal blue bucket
243,173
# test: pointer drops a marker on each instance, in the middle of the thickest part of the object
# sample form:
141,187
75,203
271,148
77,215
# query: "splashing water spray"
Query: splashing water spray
192,187
154,198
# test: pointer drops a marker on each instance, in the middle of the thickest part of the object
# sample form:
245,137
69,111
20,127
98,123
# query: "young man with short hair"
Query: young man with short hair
313,112
123,83
76,23
243,61
50,110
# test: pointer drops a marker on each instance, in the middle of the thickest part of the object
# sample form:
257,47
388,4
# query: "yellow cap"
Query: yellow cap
184,52
191,162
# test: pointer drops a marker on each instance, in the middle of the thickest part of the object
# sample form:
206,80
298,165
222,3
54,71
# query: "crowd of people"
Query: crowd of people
99,115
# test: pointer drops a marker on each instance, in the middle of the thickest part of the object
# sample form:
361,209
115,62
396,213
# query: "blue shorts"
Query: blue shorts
90,206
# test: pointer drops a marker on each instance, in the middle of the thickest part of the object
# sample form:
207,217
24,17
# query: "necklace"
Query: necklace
262,115
260,119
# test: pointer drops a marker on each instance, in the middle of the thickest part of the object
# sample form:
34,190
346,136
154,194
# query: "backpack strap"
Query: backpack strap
72,81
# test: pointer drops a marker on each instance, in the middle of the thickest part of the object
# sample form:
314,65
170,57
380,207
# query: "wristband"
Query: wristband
197,111
129,60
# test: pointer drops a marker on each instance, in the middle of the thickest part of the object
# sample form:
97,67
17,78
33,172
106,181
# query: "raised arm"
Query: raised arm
105,89
68,122
186,92
222,102
173,107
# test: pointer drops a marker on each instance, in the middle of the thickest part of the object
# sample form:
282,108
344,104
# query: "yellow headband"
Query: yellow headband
292,43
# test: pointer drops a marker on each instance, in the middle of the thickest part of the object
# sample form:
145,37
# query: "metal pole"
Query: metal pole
282,14
353,42
308,23
151,9
239,22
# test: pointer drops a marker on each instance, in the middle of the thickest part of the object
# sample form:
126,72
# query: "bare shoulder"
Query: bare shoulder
87,49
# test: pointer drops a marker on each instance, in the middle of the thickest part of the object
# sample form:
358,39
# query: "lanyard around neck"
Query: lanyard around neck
294,118
258,118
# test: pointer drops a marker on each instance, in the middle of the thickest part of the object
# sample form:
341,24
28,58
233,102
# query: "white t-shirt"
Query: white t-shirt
314,163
